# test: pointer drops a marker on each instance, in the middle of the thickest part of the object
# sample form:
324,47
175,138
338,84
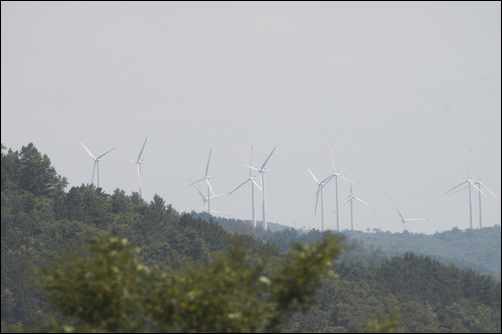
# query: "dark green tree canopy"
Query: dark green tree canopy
31,171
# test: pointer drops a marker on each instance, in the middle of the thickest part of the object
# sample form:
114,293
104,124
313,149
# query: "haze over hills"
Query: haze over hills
478,249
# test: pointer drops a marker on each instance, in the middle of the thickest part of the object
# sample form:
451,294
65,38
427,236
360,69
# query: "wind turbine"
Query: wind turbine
352,197
336,175
469,184
320,186
96,161
480,185
250,178
210,192
262,171
405,220
138,163
205,199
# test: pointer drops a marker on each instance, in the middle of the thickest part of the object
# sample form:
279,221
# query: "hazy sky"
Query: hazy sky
407,93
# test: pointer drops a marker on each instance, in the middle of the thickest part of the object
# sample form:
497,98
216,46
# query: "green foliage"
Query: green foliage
384,323
101,291
111,291
30,171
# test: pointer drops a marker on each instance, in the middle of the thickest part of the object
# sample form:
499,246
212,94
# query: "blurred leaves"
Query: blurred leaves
109,290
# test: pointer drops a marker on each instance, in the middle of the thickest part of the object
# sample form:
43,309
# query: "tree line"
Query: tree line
81,260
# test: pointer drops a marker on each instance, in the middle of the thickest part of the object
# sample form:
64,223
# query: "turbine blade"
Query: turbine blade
455,187
313,176
263,166
243,183
102,155
256,184
208,159
140,181
209,185
141,152
415,219
360,200
332,159
350,197
139,175
458,190
483,185
397,210
254,168
220,213
343,178
88,151
326,180
200,193
251,160
191,184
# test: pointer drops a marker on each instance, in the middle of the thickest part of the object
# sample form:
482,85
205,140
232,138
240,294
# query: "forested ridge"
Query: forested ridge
171,271
479,250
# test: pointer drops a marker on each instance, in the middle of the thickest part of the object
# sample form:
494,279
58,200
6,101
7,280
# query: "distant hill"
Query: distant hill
479,250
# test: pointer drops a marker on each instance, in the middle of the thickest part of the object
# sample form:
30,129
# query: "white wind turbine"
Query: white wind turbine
252,179
352,197
469,184
96,161
205,199
262,171
405,220
210,192
138,163
480,185
336,175
320,186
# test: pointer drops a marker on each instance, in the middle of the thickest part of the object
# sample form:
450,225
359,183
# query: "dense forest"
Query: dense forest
82,260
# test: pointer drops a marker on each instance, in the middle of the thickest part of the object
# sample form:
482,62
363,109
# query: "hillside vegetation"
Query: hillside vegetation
83,260
479,250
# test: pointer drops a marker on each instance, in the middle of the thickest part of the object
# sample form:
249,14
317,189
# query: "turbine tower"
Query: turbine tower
138,163
405,220
262,171
96,161
336,175
469,184
320,186
480,185
254,184
210,192
352,197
